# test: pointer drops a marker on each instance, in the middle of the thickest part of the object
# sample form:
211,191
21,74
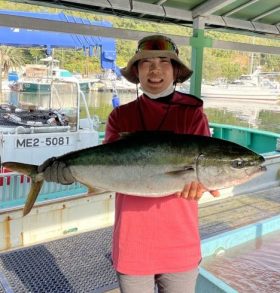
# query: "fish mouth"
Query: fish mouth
257,171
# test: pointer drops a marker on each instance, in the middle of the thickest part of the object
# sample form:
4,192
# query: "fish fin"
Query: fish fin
32,196
143,134
184,170
125,135
25,169
36,184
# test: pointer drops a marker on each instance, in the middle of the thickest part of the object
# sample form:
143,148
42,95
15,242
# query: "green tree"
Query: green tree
229,64
10,58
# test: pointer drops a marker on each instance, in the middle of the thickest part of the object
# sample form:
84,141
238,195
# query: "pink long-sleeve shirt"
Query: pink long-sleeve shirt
156,235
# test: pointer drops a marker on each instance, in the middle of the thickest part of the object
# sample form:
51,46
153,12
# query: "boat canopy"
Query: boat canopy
242,16
18,37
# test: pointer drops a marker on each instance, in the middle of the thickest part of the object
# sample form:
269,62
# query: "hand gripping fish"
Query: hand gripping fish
153,164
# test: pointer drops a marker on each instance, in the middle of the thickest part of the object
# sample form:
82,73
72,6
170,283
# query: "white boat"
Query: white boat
31,134
38,77
256,86
235,91
109,81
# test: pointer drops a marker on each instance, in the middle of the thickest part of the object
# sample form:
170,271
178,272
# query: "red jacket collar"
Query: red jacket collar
181,99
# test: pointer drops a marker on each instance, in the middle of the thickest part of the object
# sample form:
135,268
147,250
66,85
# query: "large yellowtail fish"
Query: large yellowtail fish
153,164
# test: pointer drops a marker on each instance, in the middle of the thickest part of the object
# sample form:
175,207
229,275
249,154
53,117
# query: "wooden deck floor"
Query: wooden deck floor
220,216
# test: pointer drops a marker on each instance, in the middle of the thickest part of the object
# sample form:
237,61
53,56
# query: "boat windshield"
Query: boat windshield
57,105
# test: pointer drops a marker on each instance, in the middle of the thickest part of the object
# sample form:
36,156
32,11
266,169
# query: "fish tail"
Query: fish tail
37,181
26,169
32,196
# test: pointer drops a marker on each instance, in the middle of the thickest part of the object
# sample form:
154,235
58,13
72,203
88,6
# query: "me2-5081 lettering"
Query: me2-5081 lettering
42,142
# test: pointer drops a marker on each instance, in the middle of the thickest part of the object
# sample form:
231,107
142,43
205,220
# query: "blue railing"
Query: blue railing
259,141
14,189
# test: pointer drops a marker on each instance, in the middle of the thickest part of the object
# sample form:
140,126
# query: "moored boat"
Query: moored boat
31,133
256,86
38,77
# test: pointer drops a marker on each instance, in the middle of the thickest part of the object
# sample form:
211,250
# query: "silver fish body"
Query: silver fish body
160,163
157,164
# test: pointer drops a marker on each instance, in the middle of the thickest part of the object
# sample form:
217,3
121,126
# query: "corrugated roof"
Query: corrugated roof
250,16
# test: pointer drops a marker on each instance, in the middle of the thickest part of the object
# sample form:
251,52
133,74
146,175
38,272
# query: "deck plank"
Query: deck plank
230,213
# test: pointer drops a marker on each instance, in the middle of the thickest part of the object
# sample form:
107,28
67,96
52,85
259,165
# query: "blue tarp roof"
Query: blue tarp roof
31,38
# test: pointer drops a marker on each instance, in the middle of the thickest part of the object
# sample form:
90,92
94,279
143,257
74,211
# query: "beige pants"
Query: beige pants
183,282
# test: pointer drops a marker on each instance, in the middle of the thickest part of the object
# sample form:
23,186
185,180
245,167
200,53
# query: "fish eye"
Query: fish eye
238,164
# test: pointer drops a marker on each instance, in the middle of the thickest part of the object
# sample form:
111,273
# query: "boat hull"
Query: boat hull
33,87
30,87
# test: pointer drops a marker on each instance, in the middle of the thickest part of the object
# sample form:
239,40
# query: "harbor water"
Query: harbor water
259,114
250,267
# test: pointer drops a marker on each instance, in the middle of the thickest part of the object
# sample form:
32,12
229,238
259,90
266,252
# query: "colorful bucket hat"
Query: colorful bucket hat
156,46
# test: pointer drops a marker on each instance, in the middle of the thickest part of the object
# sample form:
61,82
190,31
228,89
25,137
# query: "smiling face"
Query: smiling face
155,74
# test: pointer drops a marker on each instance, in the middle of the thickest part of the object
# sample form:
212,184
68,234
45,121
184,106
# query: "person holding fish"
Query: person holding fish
156,240
156,173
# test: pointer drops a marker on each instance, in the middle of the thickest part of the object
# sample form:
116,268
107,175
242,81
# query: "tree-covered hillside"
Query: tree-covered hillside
218,63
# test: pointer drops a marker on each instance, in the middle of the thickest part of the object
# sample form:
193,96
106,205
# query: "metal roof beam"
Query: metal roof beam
117,33
160,2
136,7
234,23
115,4
240,7
77,28
155,12
237,46
265,28
266,13
209,7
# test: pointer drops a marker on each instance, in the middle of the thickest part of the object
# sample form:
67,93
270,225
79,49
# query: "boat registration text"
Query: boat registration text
42,142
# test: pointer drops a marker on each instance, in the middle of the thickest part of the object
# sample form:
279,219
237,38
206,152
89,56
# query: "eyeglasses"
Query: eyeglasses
157,43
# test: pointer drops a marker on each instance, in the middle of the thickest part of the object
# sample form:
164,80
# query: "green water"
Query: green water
257,114
249,267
